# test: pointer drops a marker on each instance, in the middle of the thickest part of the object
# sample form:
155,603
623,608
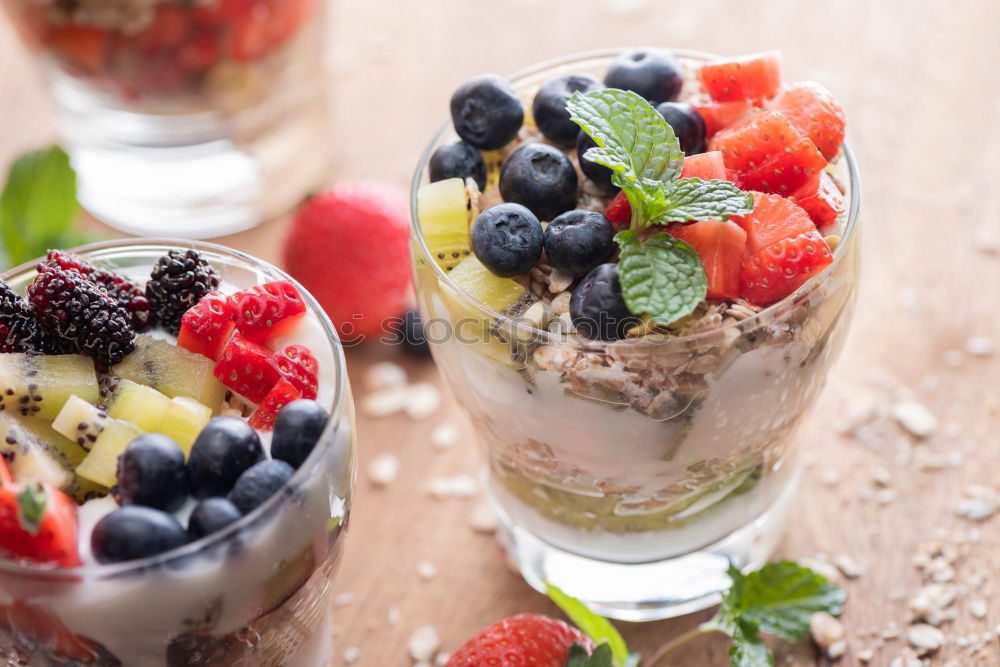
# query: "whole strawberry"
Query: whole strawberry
526,639
349,246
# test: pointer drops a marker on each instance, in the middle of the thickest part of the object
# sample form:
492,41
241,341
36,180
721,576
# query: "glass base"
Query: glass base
646,591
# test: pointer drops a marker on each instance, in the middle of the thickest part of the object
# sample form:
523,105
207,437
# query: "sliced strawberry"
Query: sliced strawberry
721,245
249,39
245,367
38,523
286,17
206,326
296,364
720,115
265,311
821,199
705,166
755,77
734,176
814,112
283,393
786,171
168,30
619,212
80,47
773,219
778,270
198,54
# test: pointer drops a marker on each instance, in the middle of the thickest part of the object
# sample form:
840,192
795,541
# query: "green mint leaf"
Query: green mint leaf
593,625
695,199
748,649
601,657
780,597
31,504
662,277
38,204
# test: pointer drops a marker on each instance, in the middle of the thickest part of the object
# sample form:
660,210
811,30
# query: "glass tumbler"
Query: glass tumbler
630,473
256,592
188,118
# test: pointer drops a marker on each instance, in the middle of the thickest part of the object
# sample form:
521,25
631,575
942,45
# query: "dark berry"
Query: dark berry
507,239
597,307
151,472
411,335
458,160
210,515
259,483
81,314
19,332
549,106
687,124
296,431
135,532
540,177
487,112
579,240
598,173
130,295
222,451
178,281
653,73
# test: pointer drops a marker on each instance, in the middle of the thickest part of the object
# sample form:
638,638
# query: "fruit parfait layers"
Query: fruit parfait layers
177,460
636,268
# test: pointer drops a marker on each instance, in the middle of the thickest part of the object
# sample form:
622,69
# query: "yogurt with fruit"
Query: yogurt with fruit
642,282
171,497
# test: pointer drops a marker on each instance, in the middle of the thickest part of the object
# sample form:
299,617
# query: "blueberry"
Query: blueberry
507,239
258,483
540,177
458,160
151,472
223,450
135,532
598,173
296,431
210,515
487,112
549,106
597,307
653,73
411,335
579,240
687,124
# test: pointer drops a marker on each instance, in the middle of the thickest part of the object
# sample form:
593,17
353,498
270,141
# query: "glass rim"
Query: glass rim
339,400
763,315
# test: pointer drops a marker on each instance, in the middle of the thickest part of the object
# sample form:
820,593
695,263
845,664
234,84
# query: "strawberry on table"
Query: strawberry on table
720,245
821,198
206,326
283,393
773,219
245,367
297,365
619,212
755,77
720,115
778,270
38,523
814,112
265,311
525,639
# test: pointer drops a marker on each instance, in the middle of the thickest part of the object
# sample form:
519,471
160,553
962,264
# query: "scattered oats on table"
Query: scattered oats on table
444,435
915,418
925,638
426,570
422,400
382,469
483,519
828,633
454,486
979,346
423,644
384,374
351,655
343,599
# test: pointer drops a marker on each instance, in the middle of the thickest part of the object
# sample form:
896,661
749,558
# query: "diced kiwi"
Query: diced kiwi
445,212
496,293
80,421
36,451
101,464
133,402
493,161
39,385
183,421
173,371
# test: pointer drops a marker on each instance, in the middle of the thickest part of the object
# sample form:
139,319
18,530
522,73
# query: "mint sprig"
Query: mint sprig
644,155
594,626
662,277
31,503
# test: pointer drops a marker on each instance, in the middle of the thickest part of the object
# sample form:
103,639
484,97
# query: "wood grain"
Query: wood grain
918,81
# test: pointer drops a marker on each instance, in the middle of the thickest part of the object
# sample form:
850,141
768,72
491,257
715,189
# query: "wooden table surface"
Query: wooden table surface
918,80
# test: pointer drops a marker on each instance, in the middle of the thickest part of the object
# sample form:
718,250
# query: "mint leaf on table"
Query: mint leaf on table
38,205
594,626
696,199
748,649
661,277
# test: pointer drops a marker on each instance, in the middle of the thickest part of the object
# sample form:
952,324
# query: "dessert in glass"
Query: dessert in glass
178,460
635,447
197,117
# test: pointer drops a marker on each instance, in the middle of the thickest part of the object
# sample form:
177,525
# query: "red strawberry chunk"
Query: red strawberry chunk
206,326
821,199
38,523
778,270
296,364
525,639
814,112
755,77
721,245
773,219
168,29
249,39
265,311
705,166
245,367
786,171
720,115
82,48
283,393
619,212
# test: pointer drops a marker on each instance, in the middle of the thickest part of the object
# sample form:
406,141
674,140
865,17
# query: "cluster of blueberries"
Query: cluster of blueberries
227,471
